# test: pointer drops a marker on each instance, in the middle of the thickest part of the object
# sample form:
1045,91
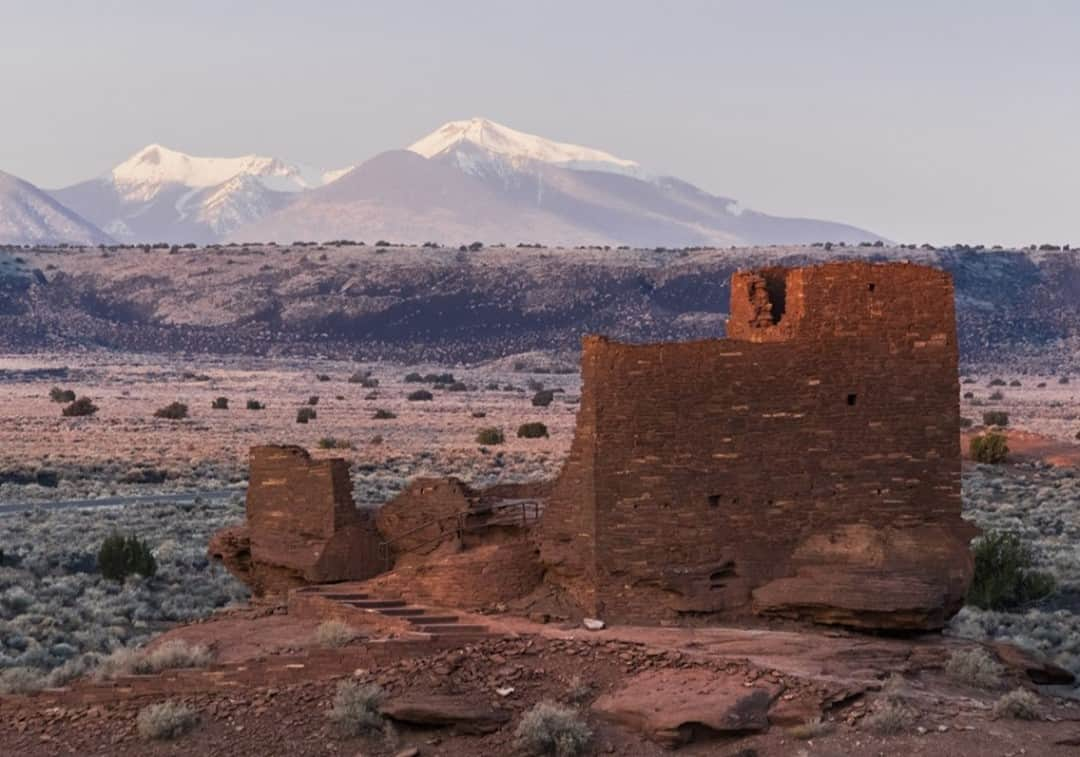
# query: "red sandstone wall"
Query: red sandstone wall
700,468
419,515
301,518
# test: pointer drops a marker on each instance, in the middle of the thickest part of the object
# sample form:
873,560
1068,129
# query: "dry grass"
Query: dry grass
811,729
168,656
974,667
166,720
1019,704
891,718
548,729
356,708
334,633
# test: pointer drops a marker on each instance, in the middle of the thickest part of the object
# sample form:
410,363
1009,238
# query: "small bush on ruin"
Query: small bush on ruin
543,398
120,556
989,448
79,408
534,430
174,411
489,436
995,418
165,720
548,729
56,394
305,414
334,633
1004,577
974,667
221,403
420,395
255,405
313,400
383,415
1019,704
356,708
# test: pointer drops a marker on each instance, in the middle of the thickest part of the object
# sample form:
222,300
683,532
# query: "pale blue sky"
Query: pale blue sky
923,121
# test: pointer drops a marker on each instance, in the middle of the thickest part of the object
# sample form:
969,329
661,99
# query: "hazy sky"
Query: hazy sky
923,121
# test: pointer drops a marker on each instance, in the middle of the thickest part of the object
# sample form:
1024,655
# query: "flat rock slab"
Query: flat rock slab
465,715
675,707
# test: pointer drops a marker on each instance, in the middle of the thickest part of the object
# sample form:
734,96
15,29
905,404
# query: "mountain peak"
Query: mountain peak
504,142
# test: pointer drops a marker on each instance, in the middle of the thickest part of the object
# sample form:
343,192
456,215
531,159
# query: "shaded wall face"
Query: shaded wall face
714,460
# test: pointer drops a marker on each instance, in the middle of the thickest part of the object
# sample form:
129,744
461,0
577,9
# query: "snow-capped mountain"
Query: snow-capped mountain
30,216
479,180
478,143
160,194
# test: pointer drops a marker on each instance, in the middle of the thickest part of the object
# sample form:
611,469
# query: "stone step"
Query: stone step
375,604
404,611
454,629
432,619
342,597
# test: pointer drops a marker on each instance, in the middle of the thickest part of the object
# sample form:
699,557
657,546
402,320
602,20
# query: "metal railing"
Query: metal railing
516,512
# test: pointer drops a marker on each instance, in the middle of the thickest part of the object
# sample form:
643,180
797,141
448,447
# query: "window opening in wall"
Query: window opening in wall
851,399
870,286
776,286
714,500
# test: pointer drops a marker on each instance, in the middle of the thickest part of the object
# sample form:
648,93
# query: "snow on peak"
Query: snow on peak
502,141
144,174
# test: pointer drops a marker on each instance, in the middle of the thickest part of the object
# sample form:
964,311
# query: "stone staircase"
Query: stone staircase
435,625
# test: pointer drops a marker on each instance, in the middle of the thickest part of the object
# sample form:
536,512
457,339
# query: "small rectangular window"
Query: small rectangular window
714,500
851,399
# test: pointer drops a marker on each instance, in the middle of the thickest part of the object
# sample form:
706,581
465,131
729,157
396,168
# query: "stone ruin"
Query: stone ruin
806,467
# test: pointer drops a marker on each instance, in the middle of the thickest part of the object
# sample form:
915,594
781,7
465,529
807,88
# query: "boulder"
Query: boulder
464,714
675,707
1034,667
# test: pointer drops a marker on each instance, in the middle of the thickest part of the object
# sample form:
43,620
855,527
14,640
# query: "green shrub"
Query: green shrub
995,418
173,411
221,403
1004,577
313,400
383,415
420,395
356,708
1015,383
989,448
255,405
305,414
413,378
457,386
966,422
996,396
329,442
80,407
997,382
56,394
490,436
322,377
543,398
533,430
120,556
165,720
548,729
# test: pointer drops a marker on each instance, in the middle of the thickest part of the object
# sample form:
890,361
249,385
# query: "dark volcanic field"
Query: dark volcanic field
444,305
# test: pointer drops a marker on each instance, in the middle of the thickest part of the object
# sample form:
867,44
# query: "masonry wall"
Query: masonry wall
700,471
